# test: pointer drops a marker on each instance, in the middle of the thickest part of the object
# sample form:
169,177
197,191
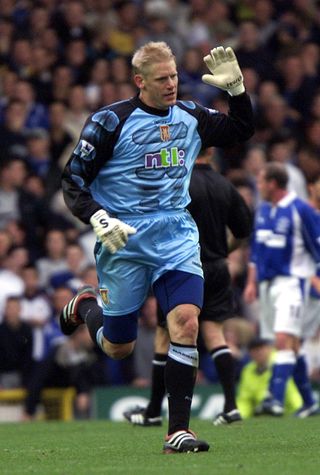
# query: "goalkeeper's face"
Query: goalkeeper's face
158,85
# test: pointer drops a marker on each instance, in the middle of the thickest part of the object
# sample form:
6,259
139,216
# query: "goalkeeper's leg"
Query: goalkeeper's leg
117,341
172,289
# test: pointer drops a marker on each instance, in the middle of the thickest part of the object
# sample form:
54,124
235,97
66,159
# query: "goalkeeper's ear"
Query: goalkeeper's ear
139,81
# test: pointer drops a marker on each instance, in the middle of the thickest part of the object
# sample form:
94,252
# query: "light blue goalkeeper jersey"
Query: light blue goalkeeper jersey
151,163
286,239
134,159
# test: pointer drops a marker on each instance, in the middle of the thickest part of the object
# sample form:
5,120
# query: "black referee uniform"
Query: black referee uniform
215,205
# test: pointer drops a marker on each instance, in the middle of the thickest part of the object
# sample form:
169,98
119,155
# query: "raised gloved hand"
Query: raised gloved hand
225,71
112,232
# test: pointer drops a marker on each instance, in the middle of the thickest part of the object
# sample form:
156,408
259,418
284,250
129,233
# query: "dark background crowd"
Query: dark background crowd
60,60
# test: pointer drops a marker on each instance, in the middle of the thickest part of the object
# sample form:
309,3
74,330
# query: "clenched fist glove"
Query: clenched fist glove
112,232
225,71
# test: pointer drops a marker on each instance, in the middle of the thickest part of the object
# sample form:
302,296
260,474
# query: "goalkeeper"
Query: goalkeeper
129,177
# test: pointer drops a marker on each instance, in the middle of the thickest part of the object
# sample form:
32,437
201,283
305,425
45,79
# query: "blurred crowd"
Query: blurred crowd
62,59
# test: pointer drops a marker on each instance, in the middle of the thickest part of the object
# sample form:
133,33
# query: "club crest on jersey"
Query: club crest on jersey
104,295
165,133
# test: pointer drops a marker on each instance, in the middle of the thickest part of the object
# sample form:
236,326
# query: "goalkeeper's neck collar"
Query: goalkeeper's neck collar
148,109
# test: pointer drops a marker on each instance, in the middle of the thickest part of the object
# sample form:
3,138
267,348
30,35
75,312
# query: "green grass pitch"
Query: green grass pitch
261,446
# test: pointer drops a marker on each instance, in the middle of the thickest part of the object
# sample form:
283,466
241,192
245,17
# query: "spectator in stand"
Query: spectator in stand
195,33
119,69
77,111
37,113
99,74
20,59
62,81
251,80
250,52
218,21
121,34
16,204
6,37
100,16
8,80
11,284
76,263
60,138
264,11
297,88
284,38
158,27
278,118
12,129
311,138
50,40
89,276
308,162
254,160
310,57
15,347
108,93
126,90
280,150
40,161
190,82
76,56
54,259
38,21
35,309
41,75
70,22
18,258
17,232
267,90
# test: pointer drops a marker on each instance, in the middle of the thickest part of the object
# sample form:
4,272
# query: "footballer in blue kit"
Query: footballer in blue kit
284,255
129,177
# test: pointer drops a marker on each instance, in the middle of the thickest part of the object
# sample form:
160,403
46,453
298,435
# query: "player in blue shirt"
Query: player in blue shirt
129,177
285,251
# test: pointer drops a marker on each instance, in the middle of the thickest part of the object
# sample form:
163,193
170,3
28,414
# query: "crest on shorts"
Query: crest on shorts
165,133
104,295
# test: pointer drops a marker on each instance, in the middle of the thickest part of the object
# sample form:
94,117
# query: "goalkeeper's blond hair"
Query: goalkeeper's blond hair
149,54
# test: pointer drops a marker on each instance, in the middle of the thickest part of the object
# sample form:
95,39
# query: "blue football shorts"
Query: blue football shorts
167,241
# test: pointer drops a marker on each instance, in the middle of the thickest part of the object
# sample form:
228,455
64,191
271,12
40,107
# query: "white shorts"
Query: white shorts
283,305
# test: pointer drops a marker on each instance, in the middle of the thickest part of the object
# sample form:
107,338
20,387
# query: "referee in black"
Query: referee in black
224,220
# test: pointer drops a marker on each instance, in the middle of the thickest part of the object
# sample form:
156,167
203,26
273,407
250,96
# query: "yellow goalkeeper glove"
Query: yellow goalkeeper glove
225,71
112,232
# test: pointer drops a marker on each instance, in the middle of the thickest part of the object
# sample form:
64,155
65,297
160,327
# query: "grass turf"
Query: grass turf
261,446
